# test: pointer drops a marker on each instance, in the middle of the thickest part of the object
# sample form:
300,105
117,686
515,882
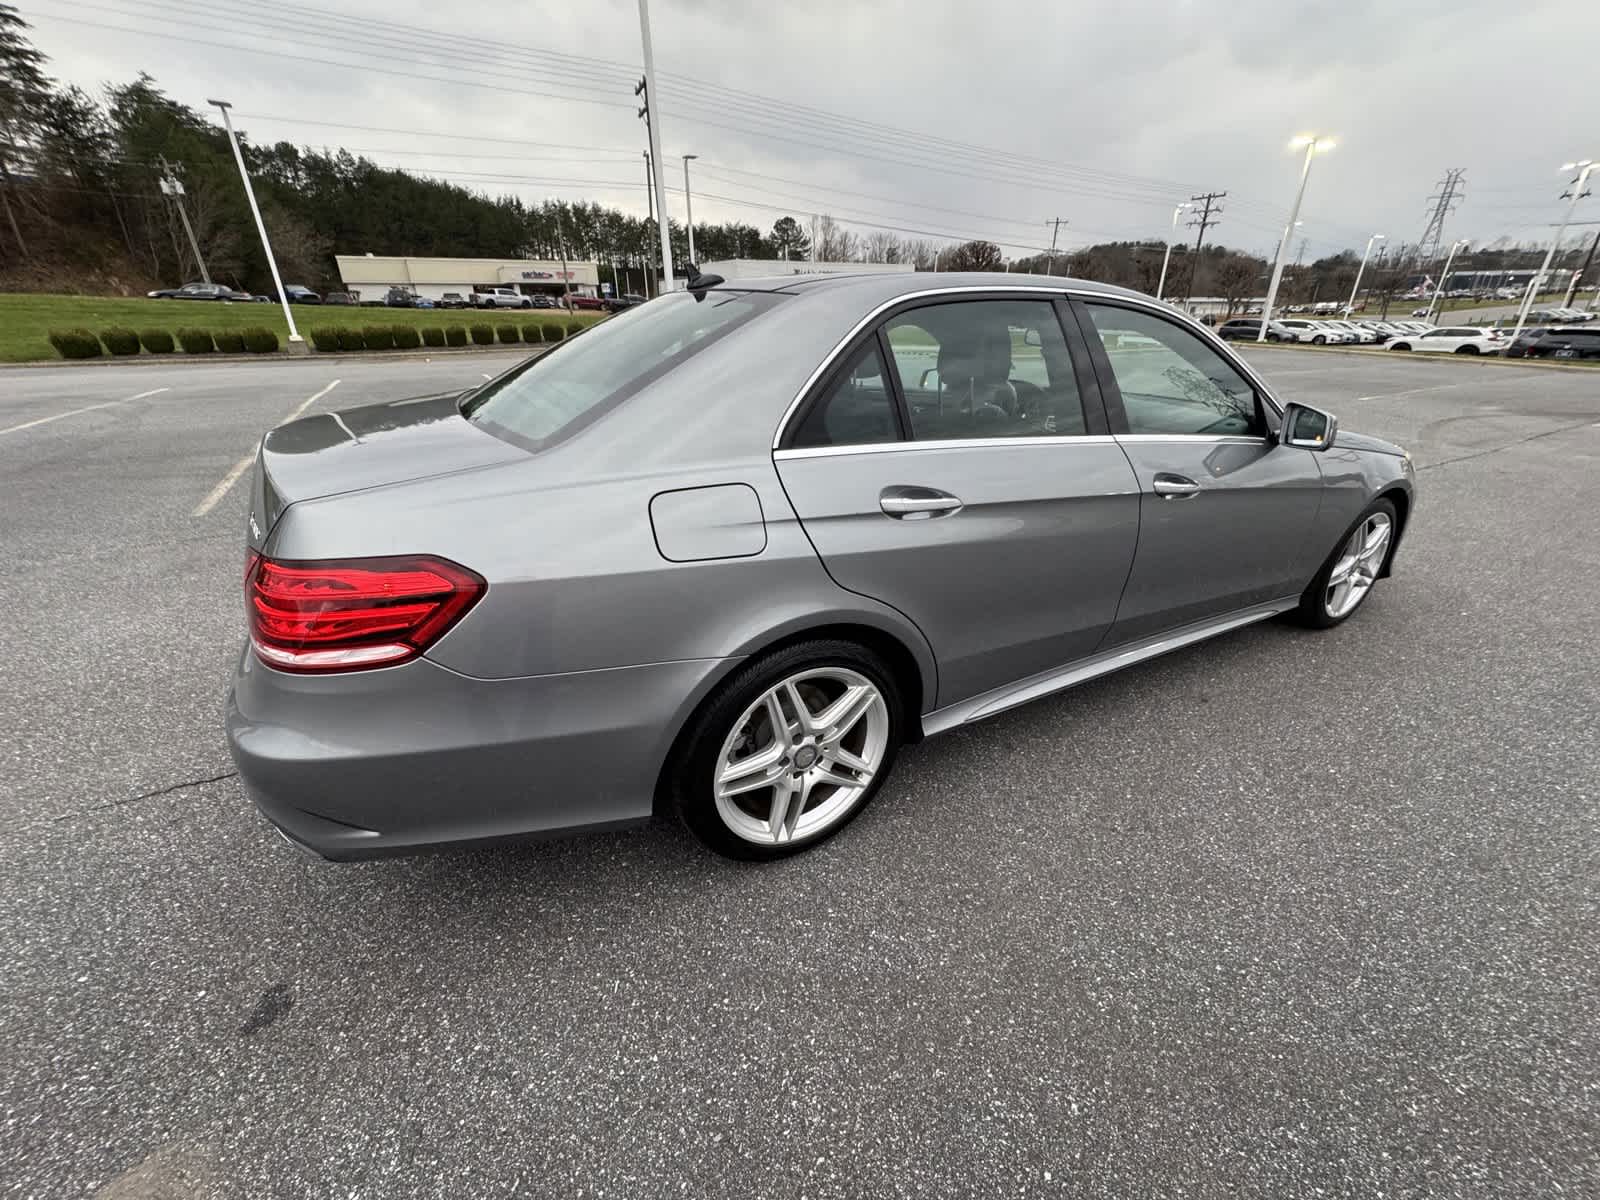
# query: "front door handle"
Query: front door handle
1170,486
917,503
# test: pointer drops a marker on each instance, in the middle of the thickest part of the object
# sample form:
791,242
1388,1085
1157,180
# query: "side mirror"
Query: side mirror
1308,428
1032,338
930,373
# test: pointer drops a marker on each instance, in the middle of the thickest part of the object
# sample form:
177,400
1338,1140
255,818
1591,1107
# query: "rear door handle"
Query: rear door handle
1170,486
917,503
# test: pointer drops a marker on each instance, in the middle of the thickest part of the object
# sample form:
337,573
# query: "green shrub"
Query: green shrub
508,333
553,329
406,337
325,338
195,341
156,341
455,335
75,343
229,341
433,336
120,341
575,325
352,339
530,333
483,335
258,340
379,337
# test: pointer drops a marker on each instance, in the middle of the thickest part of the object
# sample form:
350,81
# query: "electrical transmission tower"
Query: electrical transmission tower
1209,212
1451,192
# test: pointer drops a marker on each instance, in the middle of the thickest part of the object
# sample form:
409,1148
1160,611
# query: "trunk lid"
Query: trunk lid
358,448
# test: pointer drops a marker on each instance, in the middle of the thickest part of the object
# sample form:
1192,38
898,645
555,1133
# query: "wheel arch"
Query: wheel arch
1400,497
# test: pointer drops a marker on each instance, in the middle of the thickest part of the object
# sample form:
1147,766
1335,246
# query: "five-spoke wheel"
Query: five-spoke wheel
1347,576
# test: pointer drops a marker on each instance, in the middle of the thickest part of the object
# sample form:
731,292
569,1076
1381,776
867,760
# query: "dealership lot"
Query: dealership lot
1280,913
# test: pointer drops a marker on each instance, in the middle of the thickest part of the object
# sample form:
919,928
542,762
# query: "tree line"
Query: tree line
83,209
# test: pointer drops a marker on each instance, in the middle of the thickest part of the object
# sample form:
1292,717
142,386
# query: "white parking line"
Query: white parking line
1440,387
86,408
485,374
240,467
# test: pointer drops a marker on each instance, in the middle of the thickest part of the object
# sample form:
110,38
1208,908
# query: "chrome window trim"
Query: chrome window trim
1155,307
1091,439
1206,438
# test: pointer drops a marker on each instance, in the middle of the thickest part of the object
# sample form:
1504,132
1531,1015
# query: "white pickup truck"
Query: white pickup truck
501,297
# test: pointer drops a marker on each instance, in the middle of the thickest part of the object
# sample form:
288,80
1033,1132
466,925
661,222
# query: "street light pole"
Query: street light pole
660,184
1360,271
688,207
1167,257
261,228
1438,288
1311,144
1585,168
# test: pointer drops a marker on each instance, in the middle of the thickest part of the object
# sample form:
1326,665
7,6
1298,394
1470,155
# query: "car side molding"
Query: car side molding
991,703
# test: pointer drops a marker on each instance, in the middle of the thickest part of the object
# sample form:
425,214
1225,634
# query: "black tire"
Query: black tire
526,304
1312,611
1272,337
1466,350
1319,340
695,759
1401,346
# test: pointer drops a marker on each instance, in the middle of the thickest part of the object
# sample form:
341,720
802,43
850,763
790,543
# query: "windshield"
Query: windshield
554,396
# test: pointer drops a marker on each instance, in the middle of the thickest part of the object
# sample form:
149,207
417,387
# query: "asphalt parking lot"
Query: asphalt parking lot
1287,914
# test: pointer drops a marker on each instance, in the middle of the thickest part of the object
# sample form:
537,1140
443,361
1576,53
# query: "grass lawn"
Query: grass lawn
27,319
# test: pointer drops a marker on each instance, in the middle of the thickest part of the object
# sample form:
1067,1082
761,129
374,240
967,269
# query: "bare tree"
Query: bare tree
1236,278
881,247
834,242
974,256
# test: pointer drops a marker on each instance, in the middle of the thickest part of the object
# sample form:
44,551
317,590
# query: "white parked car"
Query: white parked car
1361,333
1415,326
1318,333
502,297
1453,339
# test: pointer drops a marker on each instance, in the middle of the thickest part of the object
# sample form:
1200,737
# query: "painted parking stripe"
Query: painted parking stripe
239,468
86,408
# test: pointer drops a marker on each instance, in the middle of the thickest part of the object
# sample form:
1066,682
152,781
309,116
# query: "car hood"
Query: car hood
376,444
1349,439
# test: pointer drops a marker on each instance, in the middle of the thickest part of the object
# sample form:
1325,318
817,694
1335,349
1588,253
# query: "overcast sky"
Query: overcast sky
954,118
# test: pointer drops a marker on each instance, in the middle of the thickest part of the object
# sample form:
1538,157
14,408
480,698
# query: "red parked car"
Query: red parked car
587,303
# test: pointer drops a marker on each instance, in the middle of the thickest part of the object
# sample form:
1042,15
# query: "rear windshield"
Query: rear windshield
554,396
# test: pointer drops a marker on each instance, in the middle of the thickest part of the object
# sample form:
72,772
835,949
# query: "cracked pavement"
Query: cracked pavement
1285,914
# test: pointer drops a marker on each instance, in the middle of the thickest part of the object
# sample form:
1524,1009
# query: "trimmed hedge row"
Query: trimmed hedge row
409,337
82,343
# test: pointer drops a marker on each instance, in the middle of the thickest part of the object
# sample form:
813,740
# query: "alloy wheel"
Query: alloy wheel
801,756
1358,565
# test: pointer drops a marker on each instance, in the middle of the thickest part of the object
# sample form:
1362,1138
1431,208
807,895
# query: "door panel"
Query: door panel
1024,576
1241,539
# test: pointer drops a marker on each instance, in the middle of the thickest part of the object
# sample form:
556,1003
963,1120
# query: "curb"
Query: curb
278,356
1479,360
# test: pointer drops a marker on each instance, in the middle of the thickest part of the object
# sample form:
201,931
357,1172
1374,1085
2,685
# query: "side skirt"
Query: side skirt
987,704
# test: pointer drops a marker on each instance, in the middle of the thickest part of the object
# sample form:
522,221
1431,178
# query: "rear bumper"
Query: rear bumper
401,759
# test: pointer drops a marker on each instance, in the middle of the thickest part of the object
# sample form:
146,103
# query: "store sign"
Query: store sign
549,275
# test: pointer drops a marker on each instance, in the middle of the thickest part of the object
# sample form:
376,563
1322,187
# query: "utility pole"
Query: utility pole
650,210
171,187
1166,258
296,342
1055,224
647,85
688,206
1204,220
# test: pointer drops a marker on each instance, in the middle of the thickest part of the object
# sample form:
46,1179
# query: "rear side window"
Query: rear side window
857,408
554,396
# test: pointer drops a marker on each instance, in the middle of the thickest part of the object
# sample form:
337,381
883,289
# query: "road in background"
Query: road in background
1281,913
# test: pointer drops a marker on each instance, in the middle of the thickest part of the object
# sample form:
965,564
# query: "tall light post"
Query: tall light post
1360,271
657,177
1167,257
261,228
1314,146
1438,288
688,208
1584,169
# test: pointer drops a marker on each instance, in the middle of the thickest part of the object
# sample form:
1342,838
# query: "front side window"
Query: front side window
985,369
555,395
1171,381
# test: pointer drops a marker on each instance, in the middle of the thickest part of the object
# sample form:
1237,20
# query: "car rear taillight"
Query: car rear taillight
349,614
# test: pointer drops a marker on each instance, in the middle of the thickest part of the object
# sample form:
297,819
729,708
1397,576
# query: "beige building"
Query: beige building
371,276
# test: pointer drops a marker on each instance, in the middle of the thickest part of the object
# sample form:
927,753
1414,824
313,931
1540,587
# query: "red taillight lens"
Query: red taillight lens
347,614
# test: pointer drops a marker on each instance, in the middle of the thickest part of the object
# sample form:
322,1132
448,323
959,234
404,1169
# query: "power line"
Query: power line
1204,221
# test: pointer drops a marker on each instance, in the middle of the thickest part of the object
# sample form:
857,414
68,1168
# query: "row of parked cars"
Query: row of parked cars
1569,341
399,297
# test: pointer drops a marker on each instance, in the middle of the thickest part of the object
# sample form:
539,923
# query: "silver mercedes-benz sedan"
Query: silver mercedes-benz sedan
728,551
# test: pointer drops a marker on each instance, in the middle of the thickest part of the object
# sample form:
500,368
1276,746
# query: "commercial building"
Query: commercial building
370,276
